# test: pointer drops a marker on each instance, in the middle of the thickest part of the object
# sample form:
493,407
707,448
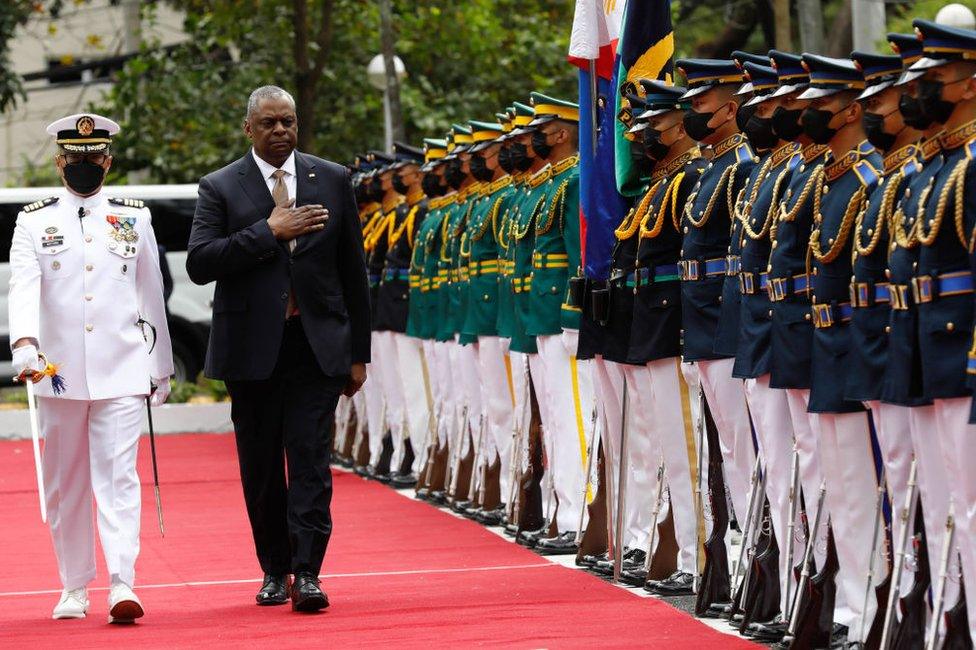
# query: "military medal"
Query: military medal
123,229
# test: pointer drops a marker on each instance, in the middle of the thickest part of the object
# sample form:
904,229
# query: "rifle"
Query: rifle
882,588
816,617
656,515
899,565
618,545
751,521
794,501
796,605
909,632
714,587
938,603
761,590
530,482
588,477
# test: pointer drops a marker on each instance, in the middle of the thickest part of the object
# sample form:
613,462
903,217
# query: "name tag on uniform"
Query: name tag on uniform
51,241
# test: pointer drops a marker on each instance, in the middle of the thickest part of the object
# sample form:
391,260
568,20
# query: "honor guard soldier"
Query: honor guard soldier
943,283
481,319
902,380
655,336
424,308
851,173
706,227
791,326
376,244
402,375
642,453
757,212
870,291
84,281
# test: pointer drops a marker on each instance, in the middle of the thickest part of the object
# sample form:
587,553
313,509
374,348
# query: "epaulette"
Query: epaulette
37,205
971,149
743,153
865,148
128,203
794,161
866,173
564,164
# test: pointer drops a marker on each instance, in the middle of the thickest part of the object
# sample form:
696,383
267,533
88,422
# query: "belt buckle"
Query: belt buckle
822,316
922,287
747,283
777,289
690,269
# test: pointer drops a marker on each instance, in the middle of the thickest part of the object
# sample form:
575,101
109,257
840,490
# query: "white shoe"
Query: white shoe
124,605
73,604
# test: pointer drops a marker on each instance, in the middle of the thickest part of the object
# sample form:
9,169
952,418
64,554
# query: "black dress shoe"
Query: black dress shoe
403,481
591,560
274,591
423,494
361,470
635,577
768,632
531,537
460,506
561,544
678,583
306,596
491,517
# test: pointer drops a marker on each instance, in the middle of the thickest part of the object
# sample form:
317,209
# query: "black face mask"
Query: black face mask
376,189
786,124
84,178
816,123
541,148
874,130
742,117
696,124
759,130
432,185
398,185
520,157
932,104
453,175
479,169
911,112
505,160
654,148
362,193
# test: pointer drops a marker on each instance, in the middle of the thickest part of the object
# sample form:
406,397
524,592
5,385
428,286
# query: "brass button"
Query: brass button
89,328
89,297
664,302
55,265
770,313
888,273
950,326
887,329
89,267
806,316
88,239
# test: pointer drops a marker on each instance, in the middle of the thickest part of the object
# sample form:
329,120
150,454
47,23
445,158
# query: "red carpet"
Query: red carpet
398,573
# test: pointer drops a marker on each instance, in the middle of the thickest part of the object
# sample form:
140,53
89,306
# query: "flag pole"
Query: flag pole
593,98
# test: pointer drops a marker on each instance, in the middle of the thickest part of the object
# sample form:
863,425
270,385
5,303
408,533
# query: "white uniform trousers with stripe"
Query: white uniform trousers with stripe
375,403
90,451
497,403
464,360
415,377
569,395
391,381
811,476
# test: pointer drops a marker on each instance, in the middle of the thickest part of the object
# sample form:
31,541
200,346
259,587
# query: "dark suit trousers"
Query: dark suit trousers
287,420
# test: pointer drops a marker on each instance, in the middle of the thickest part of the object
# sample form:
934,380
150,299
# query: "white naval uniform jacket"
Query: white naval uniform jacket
79,287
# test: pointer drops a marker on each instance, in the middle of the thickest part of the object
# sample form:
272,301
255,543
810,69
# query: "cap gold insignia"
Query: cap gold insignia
85,126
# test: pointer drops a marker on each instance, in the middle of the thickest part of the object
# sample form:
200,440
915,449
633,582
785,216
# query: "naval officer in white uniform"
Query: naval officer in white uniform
85,285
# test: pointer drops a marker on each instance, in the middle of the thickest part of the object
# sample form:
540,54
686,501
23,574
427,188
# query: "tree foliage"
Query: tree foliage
182,108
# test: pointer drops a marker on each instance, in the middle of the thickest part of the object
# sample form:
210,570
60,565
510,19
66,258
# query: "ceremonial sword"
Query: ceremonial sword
35,432
152,432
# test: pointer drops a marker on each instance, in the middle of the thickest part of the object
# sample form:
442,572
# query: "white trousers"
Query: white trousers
642,457
933,492
415,378
608,379
448,395
497,403
569,394
893,428
521,413
375,402
90,450
670,416
392,384
848,461
464,374
770,410
811,475
958,441
727,401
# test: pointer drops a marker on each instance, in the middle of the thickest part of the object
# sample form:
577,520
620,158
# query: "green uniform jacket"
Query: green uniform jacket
431,279
421,293
547,243
514,194
483,263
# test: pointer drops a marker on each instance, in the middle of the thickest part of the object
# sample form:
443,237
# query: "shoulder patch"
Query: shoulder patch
867,174
743,153
128,203
37,205
971,149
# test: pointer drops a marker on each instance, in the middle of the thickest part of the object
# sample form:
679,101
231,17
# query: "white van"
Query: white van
189,305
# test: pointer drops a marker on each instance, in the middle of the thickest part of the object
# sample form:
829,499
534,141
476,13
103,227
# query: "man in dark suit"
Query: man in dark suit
278,230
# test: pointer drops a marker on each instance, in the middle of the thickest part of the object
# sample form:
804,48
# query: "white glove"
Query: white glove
158,398
25,358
